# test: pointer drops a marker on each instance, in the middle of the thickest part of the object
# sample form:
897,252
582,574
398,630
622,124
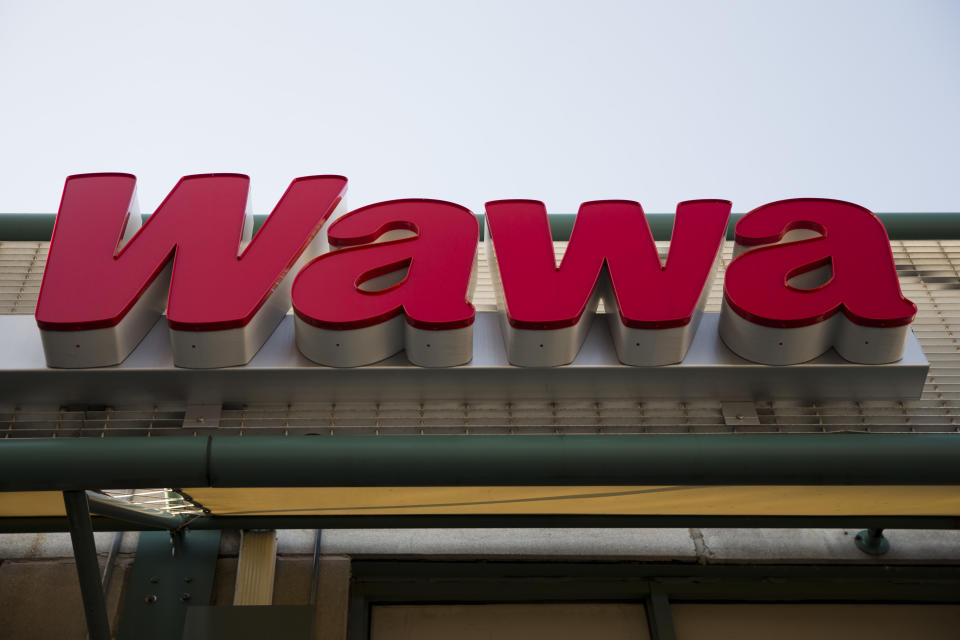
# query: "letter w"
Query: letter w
653,308
106,281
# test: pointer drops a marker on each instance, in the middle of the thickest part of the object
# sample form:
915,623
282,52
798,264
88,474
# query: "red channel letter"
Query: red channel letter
852,241
328,292
91,282
650,295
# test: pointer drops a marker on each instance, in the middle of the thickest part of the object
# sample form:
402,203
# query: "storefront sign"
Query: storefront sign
809,274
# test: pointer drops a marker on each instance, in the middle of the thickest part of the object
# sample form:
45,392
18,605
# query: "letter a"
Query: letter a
831,282
365,302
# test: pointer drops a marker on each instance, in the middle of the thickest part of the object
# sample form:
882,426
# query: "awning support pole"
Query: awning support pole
88,569
315,583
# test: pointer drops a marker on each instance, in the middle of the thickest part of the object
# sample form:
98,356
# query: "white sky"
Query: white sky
469,102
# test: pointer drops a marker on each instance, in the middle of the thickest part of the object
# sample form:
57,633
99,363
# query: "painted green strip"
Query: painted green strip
900,226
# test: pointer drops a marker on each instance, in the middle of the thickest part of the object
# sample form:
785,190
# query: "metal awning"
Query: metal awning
495,478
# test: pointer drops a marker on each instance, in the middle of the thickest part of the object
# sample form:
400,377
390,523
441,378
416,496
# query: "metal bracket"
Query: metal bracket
871,541
739,414
202,418
169,574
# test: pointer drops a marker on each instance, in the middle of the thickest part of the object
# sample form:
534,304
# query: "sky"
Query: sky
474,101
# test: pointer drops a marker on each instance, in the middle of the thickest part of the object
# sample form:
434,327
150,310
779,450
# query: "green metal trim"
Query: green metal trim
38,525
451,460
900,226
492,580
669,573
169,574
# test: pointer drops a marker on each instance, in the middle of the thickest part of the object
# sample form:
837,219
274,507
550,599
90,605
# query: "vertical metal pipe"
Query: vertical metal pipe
314,585
111,559
112,556
88,569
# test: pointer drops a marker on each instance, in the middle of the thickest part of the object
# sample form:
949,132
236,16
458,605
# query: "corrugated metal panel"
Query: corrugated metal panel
21,270
929,276
156,500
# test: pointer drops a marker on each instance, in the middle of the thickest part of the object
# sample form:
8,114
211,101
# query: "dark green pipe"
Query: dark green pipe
922,226
900,226
694,459
586,460
26,226
96,463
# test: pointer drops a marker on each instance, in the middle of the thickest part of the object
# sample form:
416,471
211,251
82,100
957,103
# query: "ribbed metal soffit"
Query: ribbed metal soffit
928,273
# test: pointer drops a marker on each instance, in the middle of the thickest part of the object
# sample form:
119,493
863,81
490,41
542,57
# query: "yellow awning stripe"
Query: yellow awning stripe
898,500
603,500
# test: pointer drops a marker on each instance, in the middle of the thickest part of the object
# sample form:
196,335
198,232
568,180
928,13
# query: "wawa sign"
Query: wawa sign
808,275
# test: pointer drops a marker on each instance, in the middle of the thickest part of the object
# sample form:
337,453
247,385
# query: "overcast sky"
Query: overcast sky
469,102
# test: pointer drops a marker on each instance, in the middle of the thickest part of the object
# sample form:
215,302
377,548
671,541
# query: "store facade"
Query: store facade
550,483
